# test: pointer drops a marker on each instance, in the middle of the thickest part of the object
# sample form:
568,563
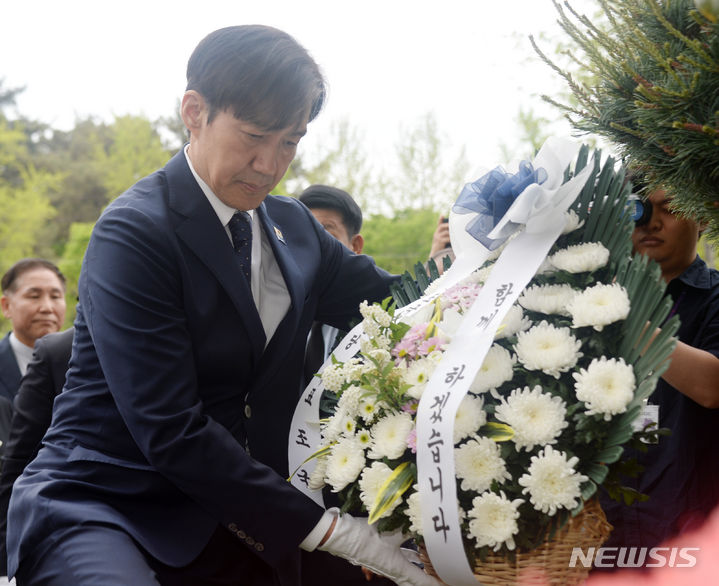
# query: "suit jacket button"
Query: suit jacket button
248,411
250,541
259,547
232,527
241,534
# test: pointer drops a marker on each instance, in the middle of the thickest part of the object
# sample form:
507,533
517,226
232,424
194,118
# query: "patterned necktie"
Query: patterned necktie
240,226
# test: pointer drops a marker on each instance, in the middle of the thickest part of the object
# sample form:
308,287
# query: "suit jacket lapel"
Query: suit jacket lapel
9,370
287,328
201,230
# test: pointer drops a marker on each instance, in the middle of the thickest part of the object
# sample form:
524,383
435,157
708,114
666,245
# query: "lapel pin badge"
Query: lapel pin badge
279,235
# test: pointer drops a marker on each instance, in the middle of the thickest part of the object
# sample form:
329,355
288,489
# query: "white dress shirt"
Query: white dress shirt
269,290
23,353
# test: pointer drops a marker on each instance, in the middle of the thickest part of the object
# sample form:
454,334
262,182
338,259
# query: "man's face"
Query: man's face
331,220
240,162
36,306
669,239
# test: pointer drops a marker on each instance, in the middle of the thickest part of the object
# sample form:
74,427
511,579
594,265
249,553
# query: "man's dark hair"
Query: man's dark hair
9,279
258,73
326,197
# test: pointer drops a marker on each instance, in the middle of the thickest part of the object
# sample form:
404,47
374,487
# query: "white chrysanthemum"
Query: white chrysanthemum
549,299
581,258
606,386
349,425
573,222
364,437
333,377
537,418
479,463
350,399
493,520
552,482
417,375
513,323
547,348
368,407
599,306
317,477
389,436
469,418
371,481
496,370
344,463
414,511
335,424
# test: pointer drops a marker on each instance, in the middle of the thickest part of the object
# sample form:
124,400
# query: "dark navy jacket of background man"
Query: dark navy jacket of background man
681,474
175,416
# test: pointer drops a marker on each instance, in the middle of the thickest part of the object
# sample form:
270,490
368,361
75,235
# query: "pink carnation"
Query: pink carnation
461,297
412,440
408,346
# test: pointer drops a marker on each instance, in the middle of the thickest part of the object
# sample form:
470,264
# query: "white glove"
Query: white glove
360,544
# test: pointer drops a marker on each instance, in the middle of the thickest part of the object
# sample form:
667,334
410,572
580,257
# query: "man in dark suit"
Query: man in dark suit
33,299
166,459
340,215
42,382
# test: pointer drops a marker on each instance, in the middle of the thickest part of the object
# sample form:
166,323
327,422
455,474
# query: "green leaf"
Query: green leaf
321,452
619,435
609,455
597,472
394,487
588,490
499,432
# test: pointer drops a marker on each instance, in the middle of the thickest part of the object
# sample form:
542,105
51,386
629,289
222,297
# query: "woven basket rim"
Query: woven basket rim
589,528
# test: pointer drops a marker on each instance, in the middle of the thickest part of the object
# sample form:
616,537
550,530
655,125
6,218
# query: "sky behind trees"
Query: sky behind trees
388,62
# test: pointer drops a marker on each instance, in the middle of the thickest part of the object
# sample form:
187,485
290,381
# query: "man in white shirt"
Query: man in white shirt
33,299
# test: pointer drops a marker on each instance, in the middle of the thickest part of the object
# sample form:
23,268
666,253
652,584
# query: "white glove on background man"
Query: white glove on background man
360,544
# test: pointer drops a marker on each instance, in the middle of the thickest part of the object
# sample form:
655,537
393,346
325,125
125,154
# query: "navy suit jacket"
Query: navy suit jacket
175,417
42,382
9,370
9,382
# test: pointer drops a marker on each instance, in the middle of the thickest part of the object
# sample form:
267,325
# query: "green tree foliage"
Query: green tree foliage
71,263
657,67
425,180
342,162
136,150
24,201
82,194
398,243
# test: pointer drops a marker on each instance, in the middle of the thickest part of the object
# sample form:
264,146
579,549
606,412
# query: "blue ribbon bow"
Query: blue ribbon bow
491,196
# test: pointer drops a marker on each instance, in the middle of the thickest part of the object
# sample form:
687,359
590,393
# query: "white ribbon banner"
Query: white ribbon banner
304,437
543,211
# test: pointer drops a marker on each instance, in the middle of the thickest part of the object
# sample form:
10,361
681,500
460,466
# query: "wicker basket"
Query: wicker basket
548,563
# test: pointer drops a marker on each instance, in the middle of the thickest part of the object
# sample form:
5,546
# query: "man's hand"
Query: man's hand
360,544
